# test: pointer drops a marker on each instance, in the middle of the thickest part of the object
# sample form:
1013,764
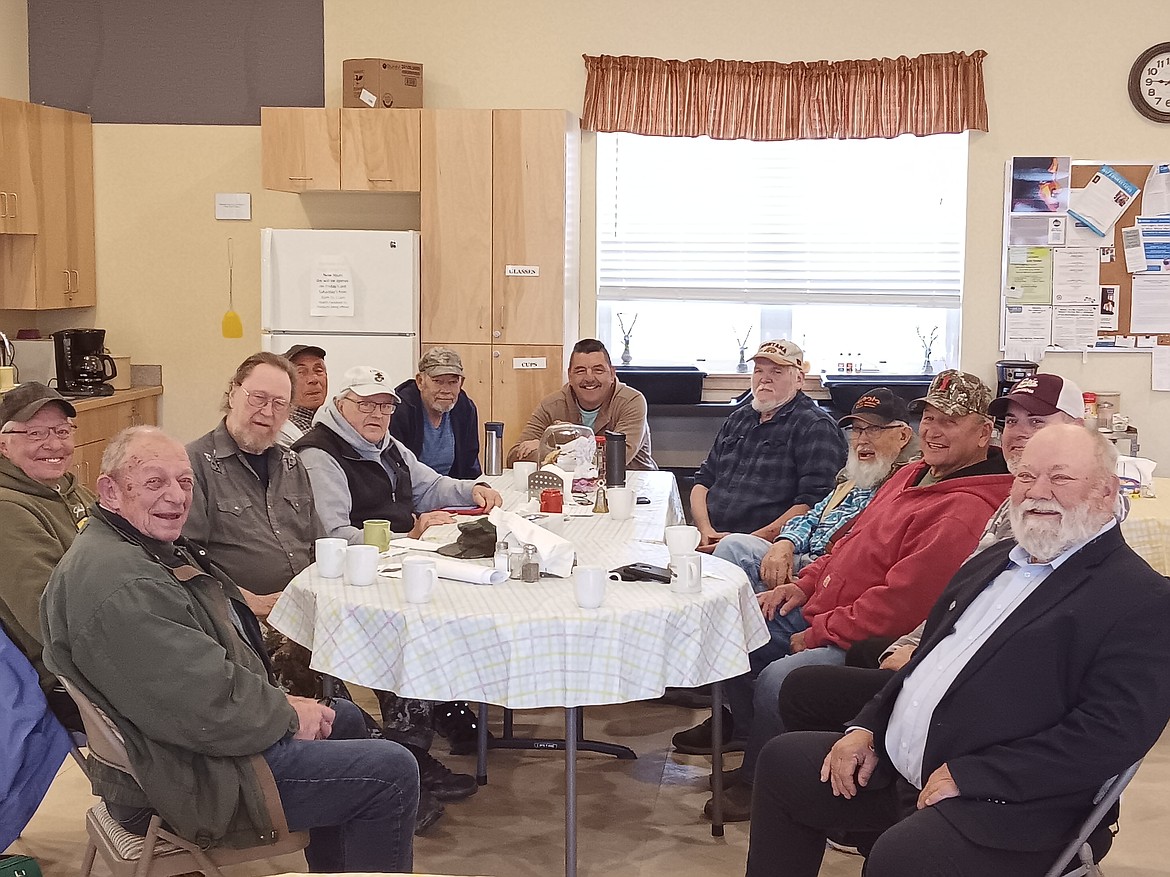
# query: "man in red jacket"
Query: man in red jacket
883,575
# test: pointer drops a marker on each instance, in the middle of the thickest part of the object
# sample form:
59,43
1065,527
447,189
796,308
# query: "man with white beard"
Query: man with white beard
1044,670
880,442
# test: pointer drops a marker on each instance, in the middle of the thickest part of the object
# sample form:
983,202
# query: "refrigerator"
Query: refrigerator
355,294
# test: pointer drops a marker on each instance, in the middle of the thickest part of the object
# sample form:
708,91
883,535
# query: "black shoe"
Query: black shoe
737,804
731,778
456,721
688,698
441,782
429,811
697,740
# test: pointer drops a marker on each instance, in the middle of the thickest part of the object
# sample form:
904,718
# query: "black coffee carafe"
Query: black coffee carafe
83,366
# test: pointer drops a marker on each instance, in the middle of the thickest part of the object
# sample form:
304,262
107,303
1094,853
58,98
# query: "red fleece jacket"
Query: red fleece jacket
882,577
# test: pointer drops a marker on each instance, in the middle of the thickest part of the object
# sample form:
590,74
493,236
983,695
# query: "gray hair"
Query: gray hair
246,368
114,456
1105,455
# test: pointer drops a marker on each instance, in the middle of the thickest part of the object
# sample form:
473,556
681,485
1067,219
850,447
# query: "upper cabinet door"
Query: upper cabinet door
379,150
535,210
18,213
301,148
456,215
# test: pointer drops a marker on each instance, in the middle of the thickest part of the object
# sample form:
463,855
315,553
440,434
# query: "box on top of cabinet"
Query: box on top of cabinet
379,82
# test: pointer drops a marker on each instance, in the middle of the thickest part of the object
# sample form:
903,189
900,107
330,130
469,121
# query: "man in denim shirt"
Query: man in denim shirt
880,442
772,460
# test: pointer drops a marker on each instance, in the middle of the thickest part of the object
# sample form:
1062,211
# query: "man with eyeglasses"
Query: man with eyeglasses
42,509
252,507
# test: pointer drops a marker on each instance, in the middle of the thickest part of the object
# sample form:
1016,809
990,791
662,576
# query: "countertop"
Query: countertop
89,403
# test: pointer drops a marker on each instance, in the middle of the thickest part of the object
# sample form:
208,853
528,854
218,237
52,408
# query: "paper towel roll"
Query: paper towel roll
462,571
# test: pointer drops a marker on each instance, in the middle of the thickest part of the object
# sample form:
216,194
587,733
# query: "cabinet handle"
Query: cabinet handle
3,205
300,179
380,179
495,354
15,203
66,273
76,280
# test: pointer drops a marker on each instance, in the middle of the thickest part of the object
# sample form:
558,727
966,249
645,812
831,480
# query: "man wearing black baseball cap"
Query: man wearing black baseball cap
310,390
42,509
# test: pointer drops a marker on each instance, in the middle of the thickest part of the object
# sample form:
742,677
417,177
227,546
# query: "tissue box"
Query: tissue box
381,83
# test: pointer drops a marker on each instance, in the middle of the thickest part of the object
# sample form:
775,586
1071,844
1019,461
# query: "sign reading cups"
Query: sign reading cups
529,362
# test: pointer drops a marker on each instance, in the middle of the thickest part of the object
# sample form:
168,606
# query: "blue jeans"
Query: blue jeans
746,551
356,797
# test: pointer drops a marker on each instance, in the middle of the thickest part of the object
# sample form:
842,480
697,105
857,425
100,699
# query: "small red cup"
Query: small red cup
552,500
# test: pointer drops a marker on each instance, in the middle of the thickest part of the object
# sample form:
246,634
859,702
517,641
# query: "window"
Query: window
848,247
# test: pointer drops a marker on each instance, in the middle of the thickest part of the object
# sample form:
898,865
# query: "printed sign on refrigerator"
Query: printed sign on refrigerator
332,291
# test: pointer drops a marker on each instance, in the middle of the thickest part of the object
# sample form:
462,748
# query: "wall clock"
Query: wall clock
1149,83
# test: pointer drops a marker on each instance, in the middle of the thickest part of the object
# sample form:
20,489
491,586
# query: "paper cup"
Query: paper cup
521,469
621,502
419,577
330,554
682,539
361,565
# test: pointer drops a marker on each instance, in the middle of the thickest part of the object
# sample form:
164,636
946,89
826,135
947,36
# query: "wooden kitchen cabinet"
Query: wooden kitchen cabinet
300,148
379,150
56,267
18,213
516,391
101,418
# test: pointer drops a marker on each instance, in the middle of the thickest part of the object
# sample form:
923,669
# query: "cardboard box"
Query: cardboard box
379,82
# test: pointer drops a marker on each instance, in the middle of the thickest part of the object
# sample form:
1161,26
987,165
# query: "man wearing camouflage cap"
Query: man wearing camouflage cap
882,577
436,419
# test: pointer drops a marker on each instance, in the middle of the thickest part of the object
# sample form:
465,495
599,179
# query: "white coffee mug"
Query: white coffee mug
330,554
361,565
682,539
589,585
621,502
521,469
687,573
419,577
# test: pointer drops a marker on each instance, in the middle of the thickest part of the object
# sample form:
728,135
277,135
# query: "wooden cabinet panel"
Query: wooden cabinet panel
87,463
79,203
379,150
300,148
98,421
530,223
18,214
50,158
517,391
456,214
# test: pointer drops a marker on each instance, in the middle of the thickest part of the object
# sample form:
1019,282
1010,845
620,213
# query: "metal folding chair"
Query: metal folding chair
1079,847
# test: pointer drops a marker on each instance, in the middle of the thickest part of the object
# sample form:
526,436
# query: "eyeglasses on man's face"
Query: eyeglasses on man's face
40,433
263,400
365,406
869,431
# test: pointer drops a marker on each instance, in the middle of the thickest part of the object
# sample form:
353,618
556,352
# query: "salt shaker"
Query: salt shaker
516,563
500,558
531,569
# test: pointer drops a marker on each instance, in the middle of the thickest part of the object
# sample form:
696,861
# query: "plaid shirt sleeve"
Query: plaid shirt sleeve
823,449
799,529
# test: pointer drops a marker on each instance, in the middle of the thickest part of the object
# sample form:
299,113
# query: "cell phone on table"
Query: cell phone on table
465,510
641,572
642,500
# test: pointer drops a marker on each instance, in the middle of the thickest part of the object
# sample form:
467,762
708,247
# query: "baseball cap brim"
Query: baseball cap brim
777,358
869,417
999,407
436,371
29,411
364,390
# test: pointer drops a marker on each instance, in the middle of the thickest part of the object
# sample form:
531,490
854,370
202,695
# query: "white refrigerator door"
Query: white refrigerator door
320,282
397,356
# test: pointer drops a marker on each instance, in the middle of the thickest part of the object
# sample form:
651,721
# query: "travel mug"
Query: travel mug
493,448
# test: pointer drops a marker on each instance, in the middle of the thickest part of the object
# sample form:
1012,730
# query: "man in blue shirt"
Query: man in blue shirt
436,419
773,459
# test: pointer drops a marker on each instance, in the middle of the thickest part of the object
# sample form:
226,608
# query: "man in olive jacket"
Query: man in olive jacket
161,640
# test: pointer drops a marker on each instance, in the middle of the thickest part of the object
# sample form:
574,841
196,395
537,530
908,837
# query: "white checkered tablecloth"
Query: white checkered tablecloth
528,645
1147,529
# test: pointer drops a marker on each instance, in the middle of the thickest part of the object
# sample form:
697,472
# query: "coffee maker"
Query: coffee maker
1009,371
83,366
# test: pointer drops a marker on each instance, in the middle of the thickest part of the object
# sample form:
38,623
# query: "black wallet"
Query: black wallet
643,572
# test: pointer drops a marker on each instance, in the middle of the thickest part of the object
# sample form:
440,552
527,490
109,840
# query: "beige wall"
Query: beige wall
14,49
1054,86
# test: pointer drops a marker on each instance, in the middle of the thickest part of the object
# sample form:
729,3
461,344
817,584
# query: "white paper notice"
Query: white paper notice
1102,201
332,292
1107,310
1150,304
1160,371
1156,201
1076,276
1135,253
1074,327
1028,325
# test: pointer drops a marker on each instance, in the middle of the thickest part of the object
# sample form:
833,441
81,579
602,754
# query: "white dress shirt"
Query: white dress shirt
925,687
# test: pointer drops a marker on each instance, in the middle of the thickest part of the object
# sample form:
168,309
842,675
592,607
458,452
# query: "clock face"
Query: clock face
1149,83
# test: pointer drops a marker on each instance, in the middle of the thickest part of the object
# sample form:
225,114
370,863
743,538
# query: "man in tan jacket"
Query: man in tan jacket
592,396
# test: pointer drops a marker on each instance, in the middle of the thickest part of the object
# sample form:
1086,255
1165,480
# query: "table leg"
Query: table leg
716,759
510,741
481,746
571,717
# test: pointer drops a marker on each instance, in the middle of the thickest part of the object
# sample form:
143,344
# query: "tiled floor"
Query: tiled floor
636,818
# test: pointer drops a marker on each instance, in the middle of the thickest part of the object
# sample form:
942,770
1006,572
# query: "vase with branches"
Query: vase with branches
742,365
626,335
927,349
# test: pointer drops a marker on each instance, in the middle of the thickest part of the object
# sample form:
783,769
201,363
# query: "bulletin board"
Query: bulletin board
1028,227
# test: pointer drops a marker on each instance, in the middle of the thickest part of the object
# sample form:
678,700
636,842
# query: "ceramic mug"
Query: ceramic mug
589,585
419,577
361,565
330,554
621,502
376,532
687,573
521,469
682,539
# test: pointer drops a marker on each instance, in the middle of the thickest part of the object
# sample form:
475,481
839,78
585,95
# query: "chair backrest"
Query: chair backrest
103,739
1105,799
541,480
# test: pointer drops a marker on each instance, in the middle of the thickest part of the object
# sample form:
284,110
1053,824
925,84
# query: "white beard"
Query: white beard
870,473
765,407
1047,538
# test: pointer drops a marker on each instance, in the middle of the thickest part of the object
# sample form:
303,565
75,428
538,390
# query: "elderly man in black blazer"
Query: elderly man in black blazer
1043,671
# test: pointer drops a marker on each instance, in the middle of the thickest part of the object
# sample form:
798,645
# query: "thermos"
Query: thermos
615,459
493,448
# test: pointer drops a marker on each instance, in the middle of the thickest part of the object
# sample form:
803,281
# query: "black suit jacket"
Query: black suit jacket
1070,690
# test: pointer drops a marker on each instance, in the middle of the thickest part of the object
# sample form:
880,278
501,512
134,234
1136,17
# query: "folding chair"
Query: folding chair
1079,847
160,853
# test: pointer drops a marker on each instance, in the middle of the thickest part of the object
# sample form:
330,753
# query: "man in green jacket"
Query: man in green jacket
160,639
42,506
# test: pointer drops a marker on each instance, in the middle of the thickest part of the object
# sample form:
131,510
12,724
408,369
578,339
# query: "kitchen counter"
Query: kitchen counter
90,403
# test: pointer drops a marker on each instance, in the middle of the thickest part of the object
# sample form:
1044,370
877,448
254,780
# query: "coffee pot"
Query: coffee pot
83,366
